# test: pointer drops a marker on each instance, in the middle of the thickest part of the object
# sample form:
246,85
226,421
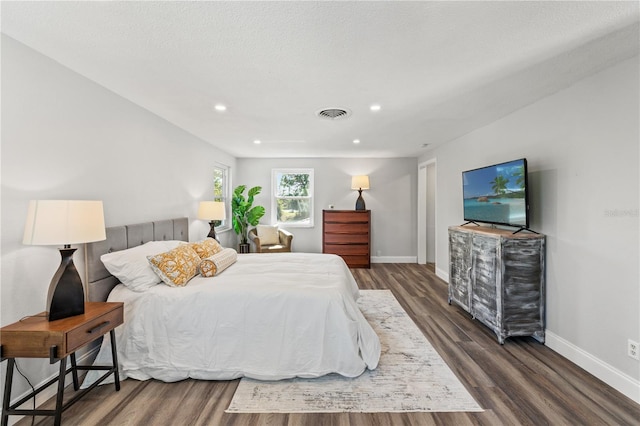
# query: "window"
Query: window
292,202
222,192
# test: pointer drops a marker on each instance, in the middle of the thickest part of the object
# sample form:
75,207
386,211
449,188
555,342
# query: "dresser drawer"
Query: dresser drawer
346,228
346,216
356,261
347,249
100,325
346,238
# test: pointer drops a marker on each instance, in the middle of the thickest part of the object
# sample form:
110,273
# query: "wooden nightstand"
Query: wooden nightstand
35,337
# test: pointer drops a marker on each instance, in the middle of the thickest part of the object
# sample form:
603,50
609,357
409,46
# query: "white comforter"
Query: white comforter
268,317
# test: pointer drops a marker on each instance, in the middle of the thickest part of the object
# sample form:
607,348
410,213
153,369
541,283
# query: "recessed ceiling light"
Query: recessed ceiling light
356,141
220,107
257,142
375,107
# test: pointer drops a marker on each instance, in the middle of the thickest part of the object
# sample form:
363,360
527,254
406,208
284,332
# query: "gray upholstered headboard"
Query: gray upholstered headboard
99,280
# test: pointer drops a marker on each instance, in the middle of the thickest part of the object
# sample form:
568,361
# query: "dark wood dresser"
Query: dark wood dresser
347,233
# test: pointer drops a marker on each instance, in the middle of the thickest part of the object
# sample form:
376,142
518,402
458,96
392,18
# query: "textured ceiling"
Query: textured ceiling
438,69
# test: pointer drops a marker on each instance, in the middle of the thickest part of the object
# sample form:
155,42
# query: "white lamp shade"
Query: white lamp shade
211,210
360,182
52,222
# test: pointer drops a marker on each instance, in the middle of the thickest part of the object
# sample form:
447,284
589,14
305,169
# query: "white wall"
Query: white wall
64,137
391,198
582,150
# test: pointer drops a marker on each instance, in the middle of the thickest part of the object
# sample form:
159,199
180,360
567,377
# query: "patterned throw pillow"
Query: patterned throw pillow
131,266
176,267
206,248
217,263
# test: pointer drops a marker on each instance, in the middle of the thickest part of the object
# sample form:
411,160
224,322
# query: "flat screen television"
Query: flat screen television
497,194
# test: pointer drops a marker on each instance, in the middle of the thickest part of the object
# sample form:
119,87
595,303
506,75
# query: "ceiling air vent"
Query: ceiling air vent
333,113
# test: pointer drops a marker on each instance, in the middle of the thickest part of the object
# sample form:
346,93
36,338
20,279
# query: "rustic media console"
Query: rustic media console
499,278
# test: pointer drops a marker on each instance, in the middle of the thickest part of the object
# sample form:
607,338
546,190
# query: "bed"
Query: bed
267,316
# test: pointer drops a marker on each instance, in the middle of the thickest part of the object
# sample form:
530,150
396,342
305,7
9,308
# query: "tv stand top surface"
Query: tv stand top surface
506,233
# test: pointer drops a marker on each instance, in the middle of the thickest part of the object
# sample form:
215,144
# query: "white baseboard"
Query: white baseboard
603,371
394,259
442,275
49,392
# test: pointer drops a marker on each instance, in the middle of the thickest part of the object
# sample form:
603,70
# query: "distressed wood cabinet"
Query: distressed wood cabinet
499,278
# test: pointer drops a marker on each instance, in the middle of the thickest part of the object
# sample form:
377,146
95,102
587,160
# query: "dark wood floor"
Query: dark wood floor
519,383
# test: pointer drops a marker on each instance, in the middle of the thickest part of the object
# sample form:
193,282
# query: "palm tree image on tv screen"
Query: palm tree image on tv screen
497,194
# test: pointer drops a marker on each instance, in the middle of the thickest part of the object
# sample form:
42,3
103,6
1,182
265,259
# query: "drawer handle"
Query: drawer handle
98,327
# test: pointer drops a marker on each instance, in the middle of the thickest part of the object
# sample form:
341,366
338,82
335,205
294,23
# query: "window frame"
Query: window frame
226,197
274,197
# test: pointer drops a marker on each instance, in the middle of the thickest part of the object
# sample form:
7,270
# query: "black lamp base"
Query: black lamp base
360,201
66,294
212,231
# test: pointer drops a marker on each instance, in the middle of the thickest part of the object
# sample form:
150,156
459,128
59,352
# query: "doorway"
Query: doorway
427,212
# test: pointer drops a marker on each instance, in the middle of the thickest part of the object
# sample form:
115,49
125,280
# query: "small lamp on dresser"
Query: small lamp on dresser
360,183
64,222
212,211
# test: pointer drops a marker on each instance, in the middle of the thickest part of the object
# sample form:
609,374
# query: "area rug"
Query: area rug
411,376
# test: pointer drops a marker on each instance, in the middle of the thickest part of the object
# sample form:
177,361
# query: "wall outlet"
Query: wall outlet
633,349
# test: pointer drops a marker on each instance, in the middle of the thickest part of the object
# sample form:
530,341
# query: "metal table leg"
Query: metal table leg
114,356
74,372
59,397
7,391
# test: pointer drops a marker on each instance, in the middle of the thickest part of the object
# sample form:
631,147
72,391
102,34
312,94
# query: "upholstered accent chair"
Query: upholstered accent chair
282,245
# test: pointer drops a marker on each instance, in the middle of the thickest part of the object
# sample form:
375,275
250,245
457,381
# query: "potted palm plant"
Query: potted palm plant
245,213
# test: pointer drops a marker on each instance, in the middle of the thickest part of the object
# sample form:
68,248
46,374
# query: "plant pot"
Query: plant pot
243,248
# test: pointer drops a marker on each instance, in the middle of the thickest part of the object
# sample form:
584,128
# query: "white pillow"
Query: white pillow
268,234
131,266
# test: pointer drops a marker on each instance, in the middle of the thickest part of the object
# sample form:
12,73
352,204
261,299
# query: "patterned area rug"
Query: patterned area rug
411,376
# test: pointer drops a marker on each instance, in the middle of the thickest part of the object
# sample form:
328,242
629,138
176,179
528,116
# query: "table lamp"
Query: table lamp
360,183
66,222
212,211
